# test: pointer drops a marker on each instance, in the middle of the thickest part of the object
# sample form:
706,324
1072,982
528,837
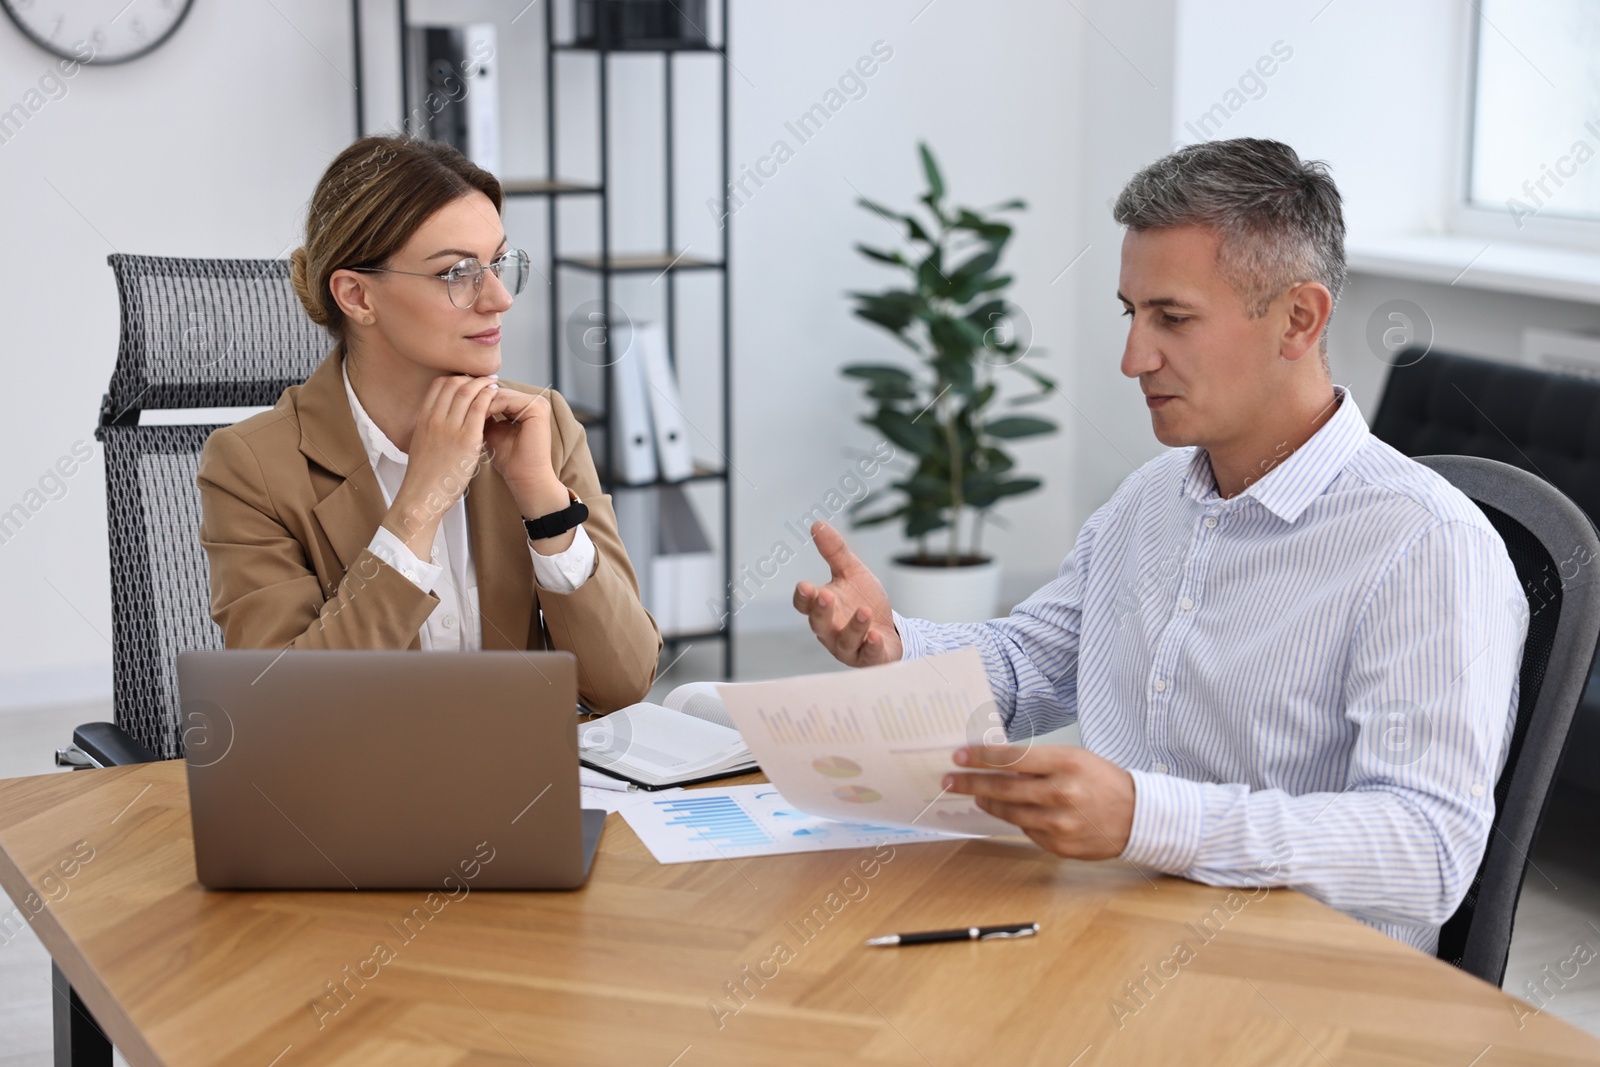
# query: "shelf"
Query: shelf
587,416
694,635
646,44
639,264
702,473
546,187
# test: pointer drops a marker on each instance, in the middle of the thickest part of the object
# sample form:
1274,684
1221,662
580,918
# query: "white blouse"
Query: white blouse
454,625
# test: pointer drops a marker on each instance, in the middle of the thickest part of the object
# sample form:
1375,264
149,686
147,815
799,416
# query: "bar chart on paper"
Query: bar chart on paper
748,820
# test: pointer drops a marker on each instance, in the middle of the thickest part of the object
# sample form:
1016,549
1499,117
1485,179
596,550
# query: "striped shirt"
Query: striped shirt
1313,683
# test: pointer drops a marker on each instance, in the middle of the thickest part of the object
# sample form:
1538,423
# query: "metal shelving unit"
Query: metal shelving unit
604,263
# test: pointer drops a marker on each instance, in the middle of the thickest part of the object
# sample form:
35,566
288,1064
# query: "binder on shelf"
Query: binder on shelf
457,97
684,576
666,403
637,463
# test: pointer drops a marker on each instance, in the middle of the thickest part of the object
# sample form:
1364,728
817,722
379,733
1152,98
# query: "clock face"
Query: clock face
97,31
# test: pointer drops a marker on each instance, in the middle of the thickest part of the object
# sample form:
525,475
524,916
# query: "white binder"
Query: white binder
637,463
666,405
685,579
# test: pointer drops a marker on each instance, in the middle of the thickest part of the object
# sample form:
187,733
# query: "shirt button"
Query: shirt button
1161,768
1161,685
1211,522
1477,789
449,622
1186,604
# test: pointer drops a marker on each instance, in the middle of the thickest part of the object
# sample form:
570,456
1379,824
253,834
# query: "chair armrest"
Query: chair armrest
108,745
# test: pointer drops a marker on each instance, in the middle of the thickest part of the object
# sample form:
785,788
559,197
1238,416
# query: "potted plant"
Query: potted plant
941,414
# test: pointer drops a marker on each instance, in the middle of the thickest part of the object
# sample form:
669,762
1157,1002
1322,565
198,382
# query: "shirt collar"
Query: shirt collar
1288,488
373,439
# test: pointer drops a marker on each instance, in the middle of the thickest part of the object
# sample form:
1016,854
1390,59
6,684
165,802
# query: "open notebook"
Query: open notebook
688,739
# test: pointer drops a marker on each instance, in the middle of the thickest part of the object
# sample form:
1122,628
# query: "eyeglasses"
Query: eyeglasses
465,280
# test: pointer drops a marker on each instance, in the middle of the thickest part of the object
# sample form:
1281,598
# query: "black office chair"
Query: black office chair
196,333
1546,534
1548,423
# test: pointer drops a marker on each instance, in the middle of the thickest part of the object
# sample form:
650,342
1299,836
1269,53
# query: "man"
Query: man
1292,652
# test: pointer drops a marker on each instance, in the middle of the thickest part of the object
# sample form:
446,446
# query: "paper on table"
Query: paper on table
874,744
747,820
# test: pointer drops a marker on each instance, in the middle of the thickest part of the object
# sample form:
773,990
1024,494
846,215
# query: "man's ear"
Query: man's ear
1310,305
352,293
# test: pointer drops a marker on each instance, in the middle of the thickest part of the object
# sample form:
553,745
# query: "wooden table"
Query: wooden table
718,963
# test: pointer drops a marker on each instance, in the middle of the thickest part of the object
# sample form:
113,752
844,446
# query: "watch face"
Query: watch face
97,31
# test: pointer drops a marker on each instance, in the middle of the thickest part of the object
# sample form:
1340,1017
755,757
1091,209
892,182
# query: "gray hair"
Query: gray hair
1278,216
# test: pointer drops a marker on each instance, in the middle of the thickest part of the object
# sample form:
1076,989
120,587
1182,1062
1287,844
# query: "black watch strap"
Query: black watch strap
557,522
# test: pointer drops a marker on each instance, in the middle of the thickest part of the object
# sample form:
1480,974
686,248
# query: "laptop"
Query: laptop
447,771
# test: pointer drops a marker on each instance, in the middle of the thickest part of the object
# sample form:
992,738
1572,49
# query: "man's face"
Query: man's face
1192,341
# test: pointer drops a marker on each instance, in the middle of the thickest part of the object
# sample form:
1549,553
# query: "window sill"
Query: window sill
1481,263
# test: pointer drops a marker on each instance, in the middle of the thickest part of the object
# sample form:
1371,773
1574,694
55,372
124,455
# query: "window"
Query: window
1533,158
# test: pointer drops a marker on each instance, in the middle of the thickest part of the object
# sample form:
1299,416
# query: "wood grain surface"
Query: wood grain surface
755,961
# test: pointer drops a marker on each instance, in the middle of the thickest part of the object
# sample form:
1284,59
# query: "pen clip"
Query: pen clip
1026,931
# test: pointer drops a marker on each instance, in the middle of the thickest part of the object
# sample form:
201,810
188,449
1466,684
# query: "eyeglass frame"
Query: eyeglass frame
497,265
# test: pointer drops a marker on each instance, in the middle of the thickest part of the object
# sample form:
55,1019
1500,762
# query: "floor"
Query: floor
1552,955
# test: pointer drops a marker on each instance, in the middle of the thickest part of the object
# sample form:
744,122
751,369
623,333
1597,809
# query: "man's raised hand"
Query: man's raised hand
850,615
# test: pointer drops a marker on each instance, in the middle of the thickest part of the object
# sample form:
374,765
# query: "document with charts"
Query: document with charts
874,744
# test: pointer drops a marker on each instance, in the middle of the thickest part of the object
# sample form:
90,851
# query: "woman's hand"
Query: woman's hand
519,447
446,447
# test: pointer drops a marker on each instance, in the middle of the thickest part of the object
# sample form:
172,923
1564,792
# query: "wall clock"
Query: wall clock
114,31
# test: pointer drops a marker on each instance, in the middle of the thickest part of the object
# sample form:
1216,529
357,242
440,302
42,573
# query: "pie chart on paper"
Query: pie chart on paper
836,766
857,794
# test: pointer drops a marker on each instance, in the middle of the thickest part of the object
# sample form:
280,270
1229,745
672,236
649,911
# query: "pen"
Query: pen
971,933
600,780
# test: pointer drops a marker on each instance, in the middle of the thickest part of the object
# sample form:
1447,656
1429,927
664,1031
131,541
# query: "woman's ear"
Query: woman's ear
352,294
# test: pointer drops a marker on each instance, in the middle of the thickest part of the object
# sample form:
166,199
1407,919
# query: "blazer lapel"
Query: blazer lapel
500,555
352,509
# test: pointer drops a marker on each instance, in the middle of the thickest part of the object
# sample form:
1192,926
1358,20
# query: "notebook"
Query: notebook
688,739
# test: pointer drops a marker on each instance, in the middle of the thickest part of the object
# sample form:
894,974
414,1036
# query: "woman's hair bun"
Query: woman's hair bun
300,278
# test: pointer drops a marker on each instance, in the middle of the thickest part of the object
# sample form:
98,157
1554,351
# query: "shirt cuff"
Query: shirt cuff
912,645
1168,816
388,547
566,570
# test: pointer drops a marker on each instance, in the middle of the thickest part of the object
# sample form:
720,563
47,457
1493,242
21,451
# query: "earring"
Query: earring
368,320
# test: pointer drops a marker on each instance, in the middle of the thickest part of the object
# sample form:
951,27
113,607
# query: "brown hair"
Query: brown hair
369,202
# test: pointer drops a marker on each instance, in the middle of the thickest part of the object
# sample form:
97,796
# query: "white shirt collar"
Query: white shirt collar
376,443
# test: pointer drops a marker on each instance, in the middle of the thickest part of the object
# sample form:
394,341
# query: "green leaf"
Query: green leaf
989,285
917,437
920,523
892,310
931,170
876,372
1014,426
894,258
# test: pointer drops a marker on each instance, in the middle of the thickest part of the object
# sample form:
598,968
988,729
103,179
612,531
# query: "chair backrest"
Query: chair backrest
1544,421
196,333
1554,548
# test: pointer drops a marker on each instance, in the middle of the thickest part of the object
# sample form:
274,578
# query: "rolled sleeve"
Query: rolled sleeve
567,570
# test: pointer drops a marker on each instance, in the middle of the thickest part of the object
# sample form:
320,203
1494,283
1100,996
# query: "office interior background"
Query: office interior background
210,146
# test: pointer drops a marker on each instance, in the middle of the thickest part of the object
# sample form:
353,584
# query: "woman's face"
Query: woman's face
415,317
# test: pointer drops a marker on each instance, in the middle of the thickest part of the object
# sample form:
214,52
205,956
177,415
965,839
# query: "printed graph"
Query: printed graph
907,718
719,821
813,725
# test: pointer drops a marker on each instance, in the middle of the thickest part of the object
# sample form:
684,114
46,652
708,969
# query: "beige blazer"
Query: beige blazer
290,503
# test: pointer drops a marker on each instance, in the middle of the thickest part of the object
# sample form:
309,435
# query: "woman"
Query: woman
362,511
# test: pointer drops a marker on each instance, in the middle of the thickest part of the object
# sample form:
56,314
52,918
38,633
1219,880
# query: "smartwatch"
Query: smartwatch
557,522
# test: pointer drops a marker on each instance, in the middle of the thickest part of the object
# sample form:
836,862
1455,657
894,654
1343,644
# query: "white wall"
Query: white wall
207,147
211,146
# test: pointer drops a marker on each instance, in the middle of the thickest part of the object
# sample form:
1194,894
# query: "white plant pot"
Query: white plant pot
944,594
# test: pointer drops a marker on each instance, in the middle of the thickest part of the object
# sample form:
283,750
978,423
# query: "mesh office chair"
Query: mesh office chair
1547,536
196,333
